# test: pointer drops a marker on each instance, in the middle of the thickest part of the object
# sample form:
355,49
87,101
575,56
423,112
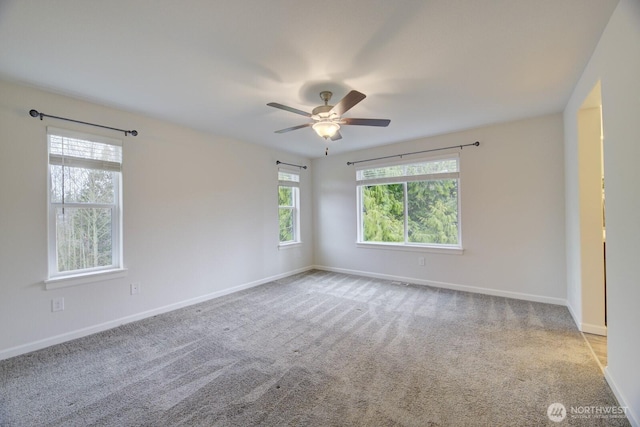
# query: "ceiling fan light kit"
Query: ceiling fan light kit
326,128
327,119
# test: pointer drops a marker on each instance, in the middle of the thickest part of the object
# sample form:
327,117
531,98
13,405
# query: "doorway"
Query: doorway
592,215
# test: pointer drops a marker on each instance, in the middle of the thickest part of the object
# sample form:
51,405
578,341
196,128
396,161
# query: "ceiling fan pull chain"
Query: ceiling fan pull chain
326,151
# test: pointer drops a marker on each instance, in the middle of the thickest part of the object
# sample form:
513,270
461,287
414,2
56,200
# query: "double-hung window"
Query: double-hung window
84,203
410,204
289,206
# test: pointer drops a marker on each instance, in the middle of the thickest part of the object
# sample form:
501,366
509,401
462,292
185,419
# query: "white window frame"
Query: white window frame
295,186
57,278
406,245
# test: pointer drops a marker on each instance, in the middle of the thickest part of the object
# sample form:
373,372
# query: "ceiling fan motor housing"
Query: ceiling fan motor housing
322,112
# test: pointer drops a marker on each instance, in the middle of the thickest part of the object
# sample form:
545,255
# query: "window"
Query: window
411,204
84,203
288,206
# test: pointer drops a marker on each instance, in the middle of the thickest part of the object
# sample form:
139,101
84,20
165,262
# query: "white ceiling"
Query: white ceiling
431,66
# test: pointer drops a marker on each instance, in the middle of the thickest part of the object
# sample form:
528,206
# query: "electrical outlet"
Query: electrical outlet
421,260
135,288
57,304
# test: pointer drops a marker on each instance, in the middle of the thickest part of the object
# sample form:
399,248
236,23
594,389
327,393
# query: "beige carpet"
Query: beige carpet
317,349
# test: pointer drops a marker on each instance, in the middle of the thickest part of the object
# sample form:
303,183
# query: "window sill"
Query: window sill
289,245
409,248
83,278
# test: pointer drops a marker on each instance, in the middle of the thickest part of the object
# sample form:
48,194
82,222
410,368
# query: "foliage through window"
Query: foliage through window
84,202
288,206
410,204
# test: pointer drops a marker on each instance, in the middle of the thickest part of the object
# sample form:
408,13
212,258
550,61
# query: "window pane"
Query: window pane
433,211
413,169
83,238
288,176
287,231
436,166
383,213
80,185
385,172
84,149
285,196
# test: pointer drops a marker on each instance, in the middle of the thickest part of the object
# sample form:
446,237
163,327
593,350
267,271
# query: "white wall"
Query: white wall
512,197
200,218
616,63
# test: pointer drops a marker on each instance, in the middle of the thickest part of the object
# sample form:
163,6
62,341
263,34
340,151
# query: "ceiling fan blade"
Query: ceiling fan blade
290,109
293,128
336,136
365,122
345,104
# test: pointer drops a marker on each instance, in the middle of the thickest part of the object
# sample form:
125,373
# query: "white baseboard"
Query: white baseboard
633,417
593,329
453,286
40,344
576,320
79,333
587,328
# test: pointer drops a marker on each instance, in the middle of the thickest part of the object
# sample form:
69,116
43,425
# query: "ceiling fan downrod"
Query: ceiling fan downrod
326,95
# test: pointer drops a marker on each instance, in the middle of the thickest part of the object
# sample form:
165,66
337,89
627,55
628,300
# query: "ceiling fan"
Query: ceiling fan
327,119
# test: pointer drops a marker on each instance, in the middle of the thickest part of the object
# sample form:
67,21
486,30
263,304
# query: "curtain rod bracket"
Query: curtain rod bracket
36,113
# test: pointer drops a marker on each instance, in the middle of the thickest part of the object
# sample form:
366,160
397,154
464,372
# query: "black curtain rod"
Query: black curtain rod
477,143
278,162
35,113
